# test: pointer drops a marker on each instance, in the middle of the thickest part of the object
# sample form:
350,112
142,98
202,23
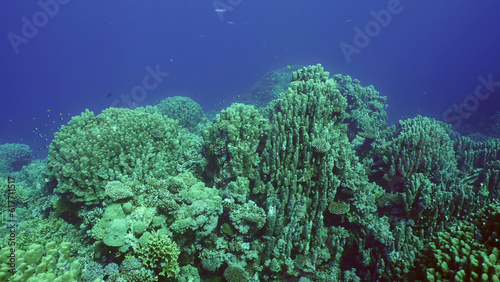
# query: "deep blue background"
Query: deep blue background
426,59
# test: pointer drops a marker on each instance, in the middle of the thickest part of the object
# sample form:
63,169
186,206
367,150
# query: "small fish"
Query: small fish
288,66
220,10
230,23
348,21
109,95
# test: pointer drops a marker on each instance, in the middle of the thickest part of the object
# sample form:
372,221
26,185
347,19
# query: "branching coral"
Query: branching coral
161,254
118,145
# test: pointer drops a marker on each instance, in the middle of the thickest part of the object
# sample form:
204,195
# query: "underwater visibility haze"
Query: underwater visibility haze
236,140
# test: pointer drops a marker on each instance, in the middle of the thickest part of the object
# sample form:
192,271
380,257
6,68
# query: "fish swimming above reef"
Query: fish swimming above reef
220,10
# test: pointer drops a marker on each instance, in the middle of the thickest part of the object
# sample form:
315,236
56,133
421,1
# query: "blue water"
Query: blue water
85,54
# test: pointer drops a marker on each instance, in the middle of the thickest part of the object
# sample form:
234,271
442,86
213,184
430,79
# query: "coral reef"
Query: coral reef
311,186
13,157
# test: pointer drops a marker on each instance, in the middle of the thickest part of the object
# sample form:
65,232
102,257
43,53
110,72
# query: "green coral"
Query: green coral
479,164
418,145
248,218
51,262
212,260
115,232
117,190
416,161
131,269
307,163
183,109
13,157
199,210
238,190
32,175
338,208
161,254
366,111
118,145
269,86
233,141
120,226
468,250
41,230
112,212
188,273
236,273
